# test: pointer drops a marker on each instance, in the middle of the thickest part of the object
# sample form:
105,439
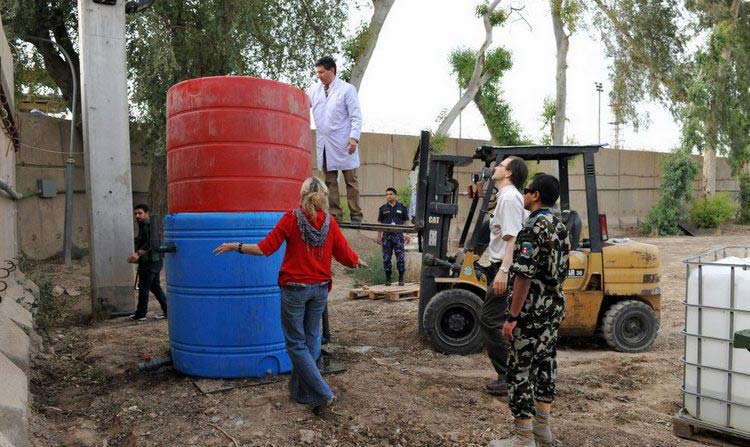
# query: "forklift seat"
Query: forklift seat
572,222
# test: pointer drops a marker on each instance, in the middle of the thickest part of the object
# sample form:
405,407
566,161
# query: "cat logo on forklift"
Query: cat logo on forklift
433,220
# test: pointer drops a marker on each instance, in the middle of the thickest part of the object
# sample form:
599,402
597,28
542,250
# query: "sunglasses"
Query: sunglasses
528,190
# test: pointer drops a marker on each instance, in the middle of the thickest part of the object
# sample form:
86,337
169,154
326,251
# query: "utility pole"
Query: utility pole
599,89
106,138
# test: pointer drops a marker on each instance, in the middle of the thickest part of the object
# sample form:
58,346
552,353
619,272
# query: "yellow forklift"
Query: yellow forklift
612,288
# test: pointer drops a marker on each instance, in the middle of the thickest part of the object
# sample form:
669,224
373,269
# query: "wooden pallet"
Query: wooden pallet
687,427
408,291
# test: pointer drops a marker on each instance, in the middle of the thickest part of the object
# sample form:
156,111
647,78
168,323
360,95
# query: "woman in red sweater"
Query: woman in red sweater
312,239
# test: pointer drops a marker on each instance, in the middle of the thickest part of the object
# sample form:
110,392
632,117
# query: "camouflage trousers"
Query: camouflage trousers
532,361
393,242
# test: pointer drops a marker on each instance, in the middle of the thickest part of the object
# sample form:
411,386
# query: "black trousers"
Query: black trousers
491,321
148,281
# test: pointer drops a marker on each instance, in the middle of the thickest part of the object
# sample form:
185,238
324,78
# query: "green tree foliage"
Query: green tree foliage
44,71
353,47
743,215
494,109
404,195
679,171
710,212
175,40
549,110
646,43
716,113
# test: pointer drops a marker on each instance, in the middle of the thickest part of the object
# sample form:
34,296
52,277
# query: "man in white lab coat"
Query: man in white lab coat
338,120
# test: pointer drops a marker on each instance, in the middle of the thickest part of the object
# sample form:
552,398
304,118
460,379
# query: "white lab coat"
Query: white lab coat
337,118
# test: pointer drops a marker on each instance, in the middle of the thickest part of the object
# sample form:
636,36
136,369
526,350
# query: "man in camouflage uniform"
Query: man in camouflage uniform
540,265
393,212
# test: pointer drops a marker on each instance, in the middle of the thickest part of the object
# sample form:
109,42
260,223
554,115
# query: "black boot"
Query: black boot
387,280
400,278
498,387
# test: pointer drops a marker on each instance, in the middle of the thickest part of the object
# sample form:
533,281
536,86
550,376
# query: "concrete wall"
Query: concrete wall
17,295
8,209
627,180
41,220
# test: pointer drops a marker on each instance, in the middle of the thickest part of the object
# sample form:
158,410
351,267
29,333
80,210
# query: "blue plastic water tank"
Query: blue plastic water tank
224,311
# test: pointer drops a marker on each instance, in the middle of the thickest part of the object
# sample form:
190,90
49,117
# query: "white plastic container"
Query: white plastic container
716,382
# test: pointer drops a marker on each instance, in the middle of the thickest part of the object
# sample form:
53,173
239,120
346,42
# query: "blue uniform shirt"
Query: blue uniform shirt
396,214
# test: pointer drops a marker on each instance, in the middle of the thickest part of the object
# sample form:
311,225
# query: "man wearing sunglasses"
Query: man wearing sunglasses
509,176
537,307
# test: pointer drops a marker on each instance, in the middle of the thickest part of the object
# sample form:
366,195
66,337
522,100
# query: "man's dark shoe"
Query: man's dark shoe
135,317
498,387
318,410
356,221
401,280
387,280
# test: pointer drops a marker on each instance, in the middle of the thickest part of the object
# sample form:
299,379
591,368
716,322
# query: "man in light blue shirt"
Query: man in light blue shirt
338,122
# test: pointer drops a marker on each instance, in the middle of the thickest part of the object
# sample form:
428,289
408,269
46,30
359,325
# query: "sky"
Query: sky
409,82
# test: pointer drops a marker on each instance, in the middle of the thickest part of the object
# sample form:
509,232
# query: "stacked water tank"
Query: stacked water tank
238,150
716,382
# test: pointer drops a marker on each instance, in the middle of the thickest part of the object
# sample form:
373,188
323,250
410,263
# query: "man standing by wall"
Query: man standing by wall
338,122
393,213
149,265
509,176
540,265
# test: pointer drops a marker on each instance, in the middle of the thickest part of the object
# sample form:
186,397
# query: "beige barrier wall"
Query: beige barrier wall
43,152
8,209
627,180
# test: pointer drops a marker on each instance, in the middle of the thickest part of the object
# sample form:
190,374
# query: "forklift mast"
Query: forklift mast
437,202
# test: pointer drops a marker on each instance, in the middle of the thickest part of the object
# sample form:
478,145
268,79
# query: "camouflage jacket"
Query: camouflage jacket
541,254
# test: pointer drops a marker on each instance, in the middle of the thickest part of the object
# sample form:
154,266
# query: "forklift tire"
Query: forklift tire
630,326
451,322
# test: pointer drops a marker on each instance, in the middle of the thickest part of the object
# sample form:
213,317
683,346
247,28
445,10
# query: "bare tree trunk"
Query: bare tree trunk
562,41
477,80
709,171
382,8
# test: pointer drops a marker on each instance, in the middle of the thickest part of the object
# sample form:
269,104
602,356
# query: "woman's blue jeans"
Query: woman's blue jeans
301,311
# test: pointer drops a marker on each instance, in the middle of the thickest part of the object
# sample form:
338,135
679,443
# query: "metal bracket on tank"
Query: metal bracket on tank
169,247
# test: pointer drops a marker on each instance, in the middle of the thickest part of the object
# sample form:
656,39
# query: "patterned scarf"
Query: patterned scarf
312,237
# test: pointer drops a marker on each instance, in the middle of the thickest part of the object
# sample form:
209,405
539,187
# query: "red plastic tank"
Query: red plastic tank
236,144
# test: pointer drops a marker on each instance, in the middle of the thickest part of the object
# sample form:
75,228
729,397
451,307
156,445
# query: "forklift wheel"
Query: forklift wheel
451,322
630,326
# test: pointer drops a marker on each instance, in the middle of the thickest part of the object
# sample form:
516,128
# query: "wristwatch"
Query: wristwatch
505,269
511,318
239,247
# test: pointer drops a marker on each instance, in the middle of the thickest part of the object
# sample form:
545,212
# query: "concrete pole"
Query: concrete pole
106,142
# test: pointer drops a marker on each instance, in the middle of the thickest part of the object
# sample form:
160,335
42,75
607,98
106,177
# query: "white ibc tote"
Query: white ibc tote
716,381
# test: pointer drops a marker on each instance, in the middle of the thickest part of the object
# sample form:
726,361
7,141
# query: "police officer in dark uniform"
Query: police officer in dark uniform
149,265
540,265
393,213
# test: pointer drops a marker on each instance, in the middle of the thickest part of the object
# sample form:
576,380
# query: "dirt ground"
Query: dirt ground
396,391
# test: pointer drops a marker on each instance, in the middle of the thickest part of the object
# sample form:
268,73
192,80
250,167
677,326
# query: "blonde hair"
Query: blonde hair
313,197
